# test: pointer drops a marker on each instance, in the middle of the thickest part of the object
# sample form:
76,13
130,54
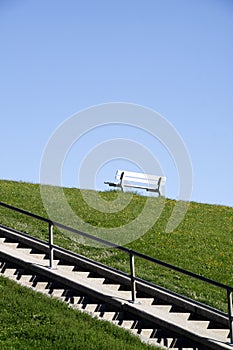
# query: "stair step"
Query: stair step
144,332
73,299
225,333
97,280
86,305
9,272
57,292
82,274
147,301
24,250
183,348
56,261
114,287
164,308
182,315
110,315
163,341
107,315
40,286
124,295
40,256
174,347
65,267
79,307
27,279
202,324
124,323
90,307
12,245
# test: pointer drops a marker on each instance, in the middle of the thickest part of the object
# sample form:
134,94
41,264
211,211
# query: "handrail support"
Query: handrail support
230,315
132,277
51,248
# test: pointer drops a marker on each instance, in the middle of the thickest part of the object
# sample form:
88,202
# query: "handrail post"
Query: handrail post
230,314
51,249
132,276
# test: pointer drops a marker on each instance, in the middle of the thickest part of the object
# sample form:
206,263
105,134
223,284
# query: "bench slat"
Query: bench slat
132,175
141,187
141,181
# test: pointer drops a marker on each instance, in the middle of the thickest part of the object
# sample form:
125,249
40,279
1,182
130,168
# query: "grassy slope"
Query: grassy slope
201,243
31,320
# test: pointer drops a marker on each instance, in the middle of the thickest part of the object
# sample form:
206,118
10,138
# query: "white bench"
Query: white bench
130,179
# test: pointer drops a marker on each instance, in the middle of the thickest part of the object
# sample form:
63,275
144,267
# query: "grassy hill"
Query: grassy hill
201,243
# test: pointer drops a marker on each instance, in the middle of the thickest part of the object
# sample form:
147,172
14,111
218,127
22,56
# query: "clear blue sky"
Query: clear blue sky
173,56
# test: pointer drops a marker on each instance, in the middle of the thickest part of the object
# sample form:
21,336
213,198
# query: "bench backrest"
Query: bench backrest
140,180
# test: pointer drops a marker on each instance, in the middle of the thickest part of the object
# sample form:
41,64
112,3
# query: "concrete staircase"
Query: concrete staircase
158,316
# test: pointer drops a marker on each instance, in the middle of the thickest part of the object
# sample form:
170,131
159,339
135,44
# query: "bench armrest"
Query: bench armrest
112,184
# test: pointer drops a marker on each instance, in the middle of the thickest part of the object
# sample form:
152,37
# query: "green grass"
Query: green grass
201,243
30,320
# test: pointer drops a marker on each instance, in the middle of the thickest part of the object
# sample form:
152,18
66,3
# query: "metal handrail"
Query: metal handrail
132,254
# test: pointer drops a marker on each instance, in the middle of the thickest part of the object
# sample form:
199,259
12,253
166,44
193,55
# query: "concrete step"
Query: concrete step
47,261
184,344
97,280
163,308
110,315
58,293
107,315
147,301
222,334
165,342
144,332
82,274
9,272
73,300
128,324
24,250
198,324
78,307
181,315
65,267
17,274
184,348
25,279
12,245
41,286
90,307
125,295
85,305
113,287
39,256
71,297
